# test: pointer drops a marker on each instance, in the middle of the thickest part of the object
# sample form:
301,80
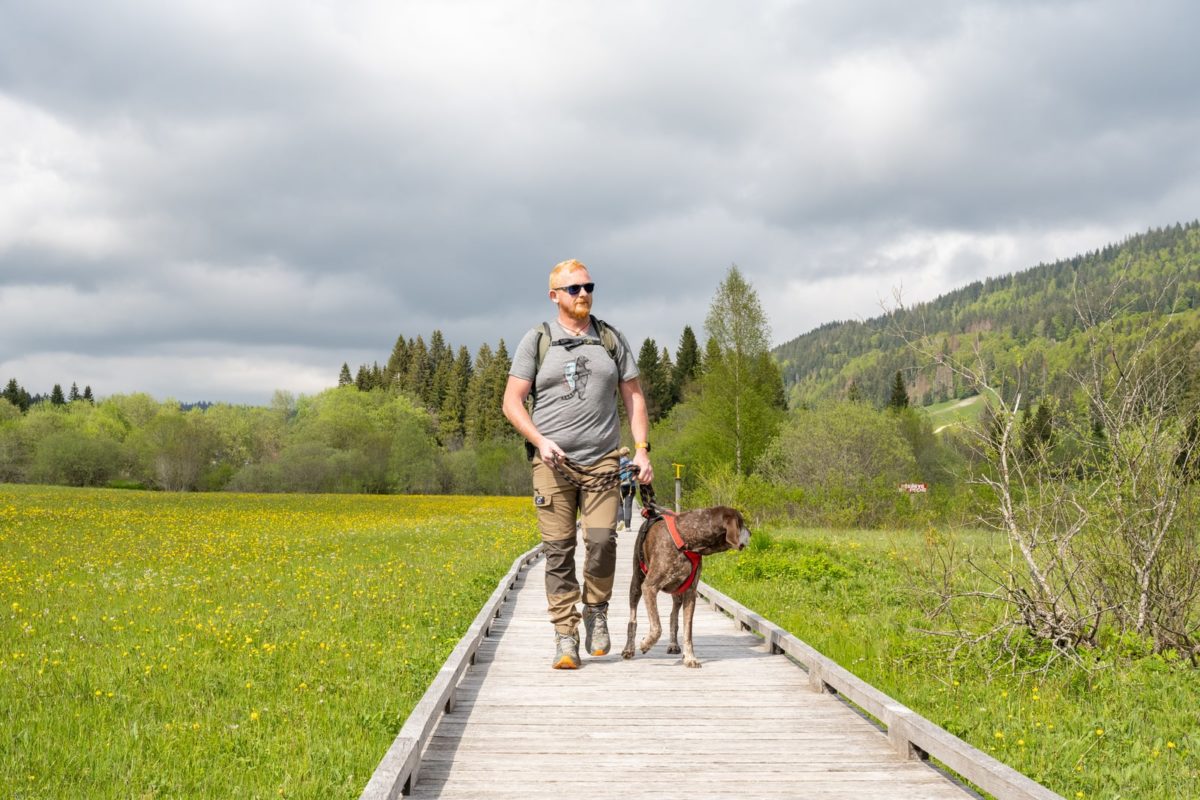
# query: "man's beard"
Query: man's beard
580,309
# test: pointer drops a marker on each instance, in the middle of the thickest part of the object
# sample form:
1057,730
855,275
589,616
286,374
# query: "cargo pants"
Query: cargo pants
557,502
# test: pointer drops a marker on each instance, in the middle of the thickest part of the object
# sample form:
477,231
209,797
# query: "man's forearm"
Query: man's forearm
639,420
521,420
514,409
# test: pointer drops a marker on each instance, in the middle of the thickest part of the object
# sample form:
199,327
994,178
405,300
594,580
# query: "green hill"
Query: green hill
1025,327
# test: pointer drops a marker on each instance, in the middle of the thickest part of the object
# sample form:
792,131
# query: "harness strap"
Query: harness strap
673,528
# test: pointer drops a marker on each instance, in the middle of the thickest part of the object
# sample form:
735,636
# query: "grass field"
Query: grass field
955,413
1127,730
202,646
205,646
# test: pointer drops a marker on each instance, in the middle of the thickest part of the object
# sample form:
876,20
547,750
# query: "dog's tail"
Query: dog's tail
635,583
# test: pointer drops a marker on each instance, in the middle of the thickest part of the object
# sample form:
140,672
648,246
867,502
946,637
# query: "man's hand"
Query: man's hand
642,460
549,451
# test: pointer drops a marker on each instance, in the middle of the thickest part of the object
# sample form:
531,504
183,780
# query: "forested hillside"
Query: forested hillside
1026,326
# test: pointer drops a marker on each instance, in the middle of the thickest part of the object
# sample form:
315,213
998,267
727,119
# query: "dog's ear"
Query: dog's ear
733,528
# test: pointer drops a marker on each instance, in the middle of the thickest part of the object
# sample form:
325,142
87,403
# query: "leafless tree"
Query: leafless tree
1096,527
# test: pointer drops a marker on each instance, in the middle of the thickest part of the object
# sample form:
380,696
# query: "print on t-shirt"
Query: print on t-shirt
576,374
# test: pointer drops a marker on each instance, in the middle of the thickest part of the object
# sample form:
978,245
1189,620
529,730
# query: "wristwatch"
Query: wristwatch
642,446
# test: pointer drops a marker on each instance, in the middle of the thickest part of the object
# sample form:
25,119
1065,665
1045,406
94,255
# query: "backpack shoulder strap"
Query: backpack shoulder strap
608,336
543,347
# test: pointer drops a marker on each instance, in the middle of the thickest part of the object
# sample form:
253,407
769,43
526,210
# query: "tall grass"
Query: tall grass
1125,728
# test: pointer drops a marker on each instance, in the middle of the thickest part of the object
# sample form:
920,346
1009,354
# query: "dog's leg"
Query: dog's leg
689,608
650,595
676,601
635,594
630,631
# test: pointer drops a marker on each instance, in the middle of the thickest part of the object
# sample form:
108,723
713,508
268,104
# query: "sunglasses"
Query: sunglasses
574,288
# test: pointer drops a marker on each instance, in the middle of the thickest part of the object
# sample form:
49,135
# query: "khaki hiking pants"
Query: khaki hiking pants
557,502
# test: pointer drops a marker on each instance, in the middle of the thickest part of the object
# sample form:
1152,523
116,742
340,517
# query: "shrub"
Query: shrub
72,458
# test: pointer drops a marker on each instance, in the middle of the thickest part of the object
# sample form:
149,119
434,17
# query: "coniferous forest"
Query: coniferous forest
1026,326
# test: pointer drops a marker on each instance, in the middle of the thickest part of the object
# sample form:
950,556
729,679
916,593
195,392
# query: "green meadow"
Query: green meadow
955,413
249,646
185,645
1124,728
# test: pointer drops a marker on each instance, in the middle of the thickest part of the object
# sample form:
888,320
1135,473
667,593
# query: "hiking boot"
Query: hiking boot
566,654
595,624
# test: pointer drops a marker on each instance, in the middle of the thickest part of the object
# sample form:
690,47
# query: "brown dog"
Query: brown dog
707,531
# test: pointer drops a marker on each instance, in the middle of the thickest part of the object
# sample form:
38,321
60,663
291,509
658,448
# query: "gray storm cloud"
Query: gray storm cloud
212,201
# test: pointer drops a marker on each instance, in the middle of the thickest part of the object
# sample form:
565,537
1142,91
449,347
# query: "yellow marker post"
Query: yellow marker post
678,484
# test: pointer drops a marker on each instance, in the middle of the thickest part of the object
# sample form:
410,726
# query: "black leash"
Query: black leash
583,478
646,493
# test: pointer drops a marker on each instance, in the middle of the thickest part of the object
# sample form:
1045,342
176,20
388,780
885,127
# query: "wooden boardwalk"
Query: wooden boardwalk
748,724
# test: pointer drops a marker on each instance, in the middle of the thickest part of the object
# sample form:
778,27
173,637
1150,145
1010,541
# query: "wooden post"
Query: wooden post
678,485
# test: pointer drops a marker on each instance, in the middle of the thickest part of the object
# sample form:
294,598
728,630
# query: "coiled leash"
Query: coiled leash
583,478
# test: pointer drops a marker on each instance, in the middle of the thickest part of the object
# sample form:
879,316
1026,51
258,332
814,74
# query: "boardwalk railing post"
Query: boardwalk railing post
816,680
900,733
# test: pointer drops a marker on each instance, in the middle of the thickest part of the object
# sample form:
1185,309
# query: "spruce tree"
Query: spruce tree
362,378
652,378
452,414
441,361
73,395
899,397
497,423
476,423
712,356
344,377
419,379
56,396
87,394
667,369
1037,431
397,365
12,392
687,362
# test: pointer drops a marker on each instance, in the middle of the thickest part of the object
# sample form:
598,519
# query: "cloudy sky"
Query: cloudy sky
213,200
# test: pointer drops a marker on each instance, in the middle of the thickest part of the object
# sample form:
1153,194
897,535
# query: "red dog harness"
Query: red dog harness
692,556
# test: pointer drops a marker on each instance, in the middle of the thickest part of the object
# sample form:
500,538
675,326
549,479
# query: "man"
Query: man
575,415
628,485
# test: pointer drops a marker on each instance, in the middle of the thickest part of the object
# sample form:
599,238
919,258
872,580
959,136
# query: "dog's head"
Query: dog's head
714,530
737,535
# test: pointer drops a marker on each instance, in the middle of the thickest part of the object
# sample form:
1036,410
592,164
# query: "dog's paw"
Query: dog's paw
627,653
646,644
691,663
673,649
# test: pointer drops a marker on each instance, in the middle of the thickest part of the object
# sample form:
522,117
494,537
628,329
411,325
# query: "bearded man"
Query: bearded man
575,366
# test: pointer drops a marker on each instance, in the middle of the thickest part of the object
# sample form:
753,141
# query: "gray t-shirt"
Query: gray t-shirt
575,397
